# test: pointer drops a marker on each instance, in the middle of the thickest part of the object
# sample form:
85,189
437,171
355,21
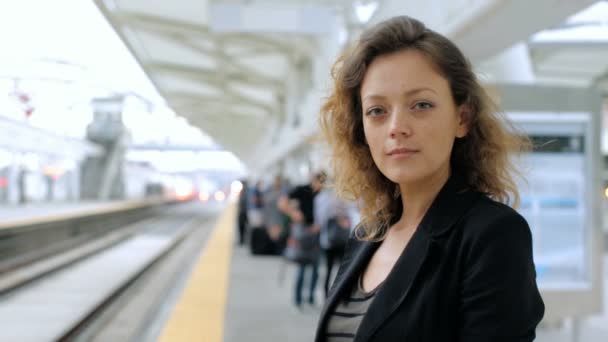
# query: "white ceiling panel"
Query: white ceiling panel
576,51
186,11
162,48
254,92
172,84
274,65
233,84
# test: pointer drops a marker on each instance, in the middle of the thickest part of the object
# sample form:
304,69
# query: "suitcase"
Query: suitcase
260,243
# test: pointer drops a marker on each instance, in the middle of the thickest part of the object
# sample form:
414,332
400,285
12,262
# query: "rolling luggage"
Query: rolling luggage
260,243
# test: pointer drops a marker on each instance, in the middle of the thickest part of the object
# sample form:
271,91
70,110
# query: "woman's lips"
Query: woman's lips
402,152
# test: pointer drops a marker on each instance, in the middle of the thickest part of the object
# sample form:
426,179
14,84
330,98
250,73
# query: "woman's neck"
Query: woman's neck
418,197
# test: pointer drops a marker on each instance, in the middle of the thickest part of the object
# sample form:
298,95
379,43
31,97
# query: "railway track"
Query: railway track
112,287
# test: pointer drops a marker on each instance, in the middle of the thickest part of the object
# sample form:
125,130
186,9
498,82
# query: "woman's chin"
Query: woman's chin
403,177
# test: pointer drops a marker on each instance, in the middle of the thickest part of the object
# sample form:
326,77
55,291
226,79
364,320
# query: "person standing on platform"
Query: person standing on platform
333,222
273,216
255,207
302,215
439,254
242,213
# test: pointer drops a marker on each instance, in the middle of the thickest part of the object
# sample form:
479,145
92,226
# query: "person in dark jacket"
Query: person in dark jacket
242,213
302,214
438,255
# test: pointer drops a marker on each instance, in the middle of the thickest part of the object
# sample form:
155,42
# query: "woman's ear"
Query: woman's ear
464,120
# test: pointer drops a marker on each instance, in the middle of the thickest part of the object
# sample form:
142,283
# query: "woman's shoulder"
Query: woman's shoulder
490,219
493,236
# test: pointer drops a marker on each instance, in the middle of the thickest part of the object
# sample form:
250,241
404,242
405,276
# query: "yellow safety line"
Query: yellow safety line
199,313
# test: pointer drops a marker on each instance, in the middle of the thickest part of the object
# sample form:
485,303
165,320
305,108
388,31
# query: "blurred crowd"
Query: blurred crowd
306,224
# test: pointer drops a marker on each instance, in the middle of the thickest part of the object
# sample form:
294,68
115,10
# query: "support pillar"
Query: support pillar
102,176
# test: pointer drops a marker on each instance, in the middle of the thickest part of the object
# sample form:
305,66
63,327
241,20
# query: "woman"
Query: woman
438,256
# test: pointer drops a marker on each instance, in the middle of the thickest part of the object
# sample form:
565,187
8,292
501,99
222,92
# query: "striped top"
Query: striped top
343,323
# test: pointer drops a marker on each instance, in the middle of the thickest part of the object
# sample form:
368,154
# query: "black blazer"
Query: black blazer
466,275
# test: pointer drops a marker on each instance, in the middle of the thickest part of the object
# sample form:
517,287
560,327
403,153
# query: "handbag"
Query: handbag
302,245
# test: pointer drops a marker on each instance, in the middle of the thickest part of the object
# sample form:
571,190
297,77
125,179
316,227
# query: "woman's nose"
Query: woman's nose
399,124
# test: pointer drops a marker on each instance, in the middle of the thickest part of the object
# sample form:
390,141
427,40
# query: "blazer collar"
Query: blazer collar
353,264
452,201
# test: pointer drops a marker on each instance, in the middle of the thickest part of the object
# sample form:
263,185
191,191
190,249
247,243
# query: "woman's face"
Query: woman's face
410,119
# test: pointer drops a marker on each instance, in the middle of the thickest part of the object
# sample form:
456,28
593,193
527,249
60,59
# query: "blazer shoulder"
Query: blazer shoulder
489,217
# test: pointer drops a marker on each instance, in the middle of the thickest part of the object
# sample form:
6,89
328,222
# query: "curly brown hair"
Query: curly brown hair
482,156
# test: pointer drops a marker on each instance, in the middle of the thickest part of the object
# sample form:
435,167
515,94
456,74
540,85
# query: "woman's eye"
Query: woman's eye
375,111
423,105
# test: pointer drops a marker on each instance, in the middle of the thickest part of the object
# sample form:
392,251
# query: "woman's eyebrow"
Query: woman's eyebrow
407,93
373,97
419,90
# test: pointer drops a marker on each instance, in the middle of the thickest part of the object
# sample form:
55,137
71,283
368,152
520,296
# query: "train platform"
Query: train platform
46,209
217,292
35,213
233,296
69,273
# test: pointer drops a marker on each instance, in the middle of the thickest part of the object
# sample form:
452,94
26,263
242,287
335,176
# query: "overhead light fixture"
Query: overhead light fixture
365,10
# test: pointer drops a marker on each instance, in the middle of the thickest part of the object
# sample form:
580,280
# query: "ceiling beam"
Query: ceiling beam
306,46
155,23
583,45
492,22
207,77
231,61
221,56
195,99
566,69
205,107
213,75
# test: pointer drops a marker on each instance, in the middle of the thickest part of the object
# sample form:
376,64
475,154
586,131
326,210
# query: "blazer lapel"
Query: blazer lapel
396,286
360,257
450,205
